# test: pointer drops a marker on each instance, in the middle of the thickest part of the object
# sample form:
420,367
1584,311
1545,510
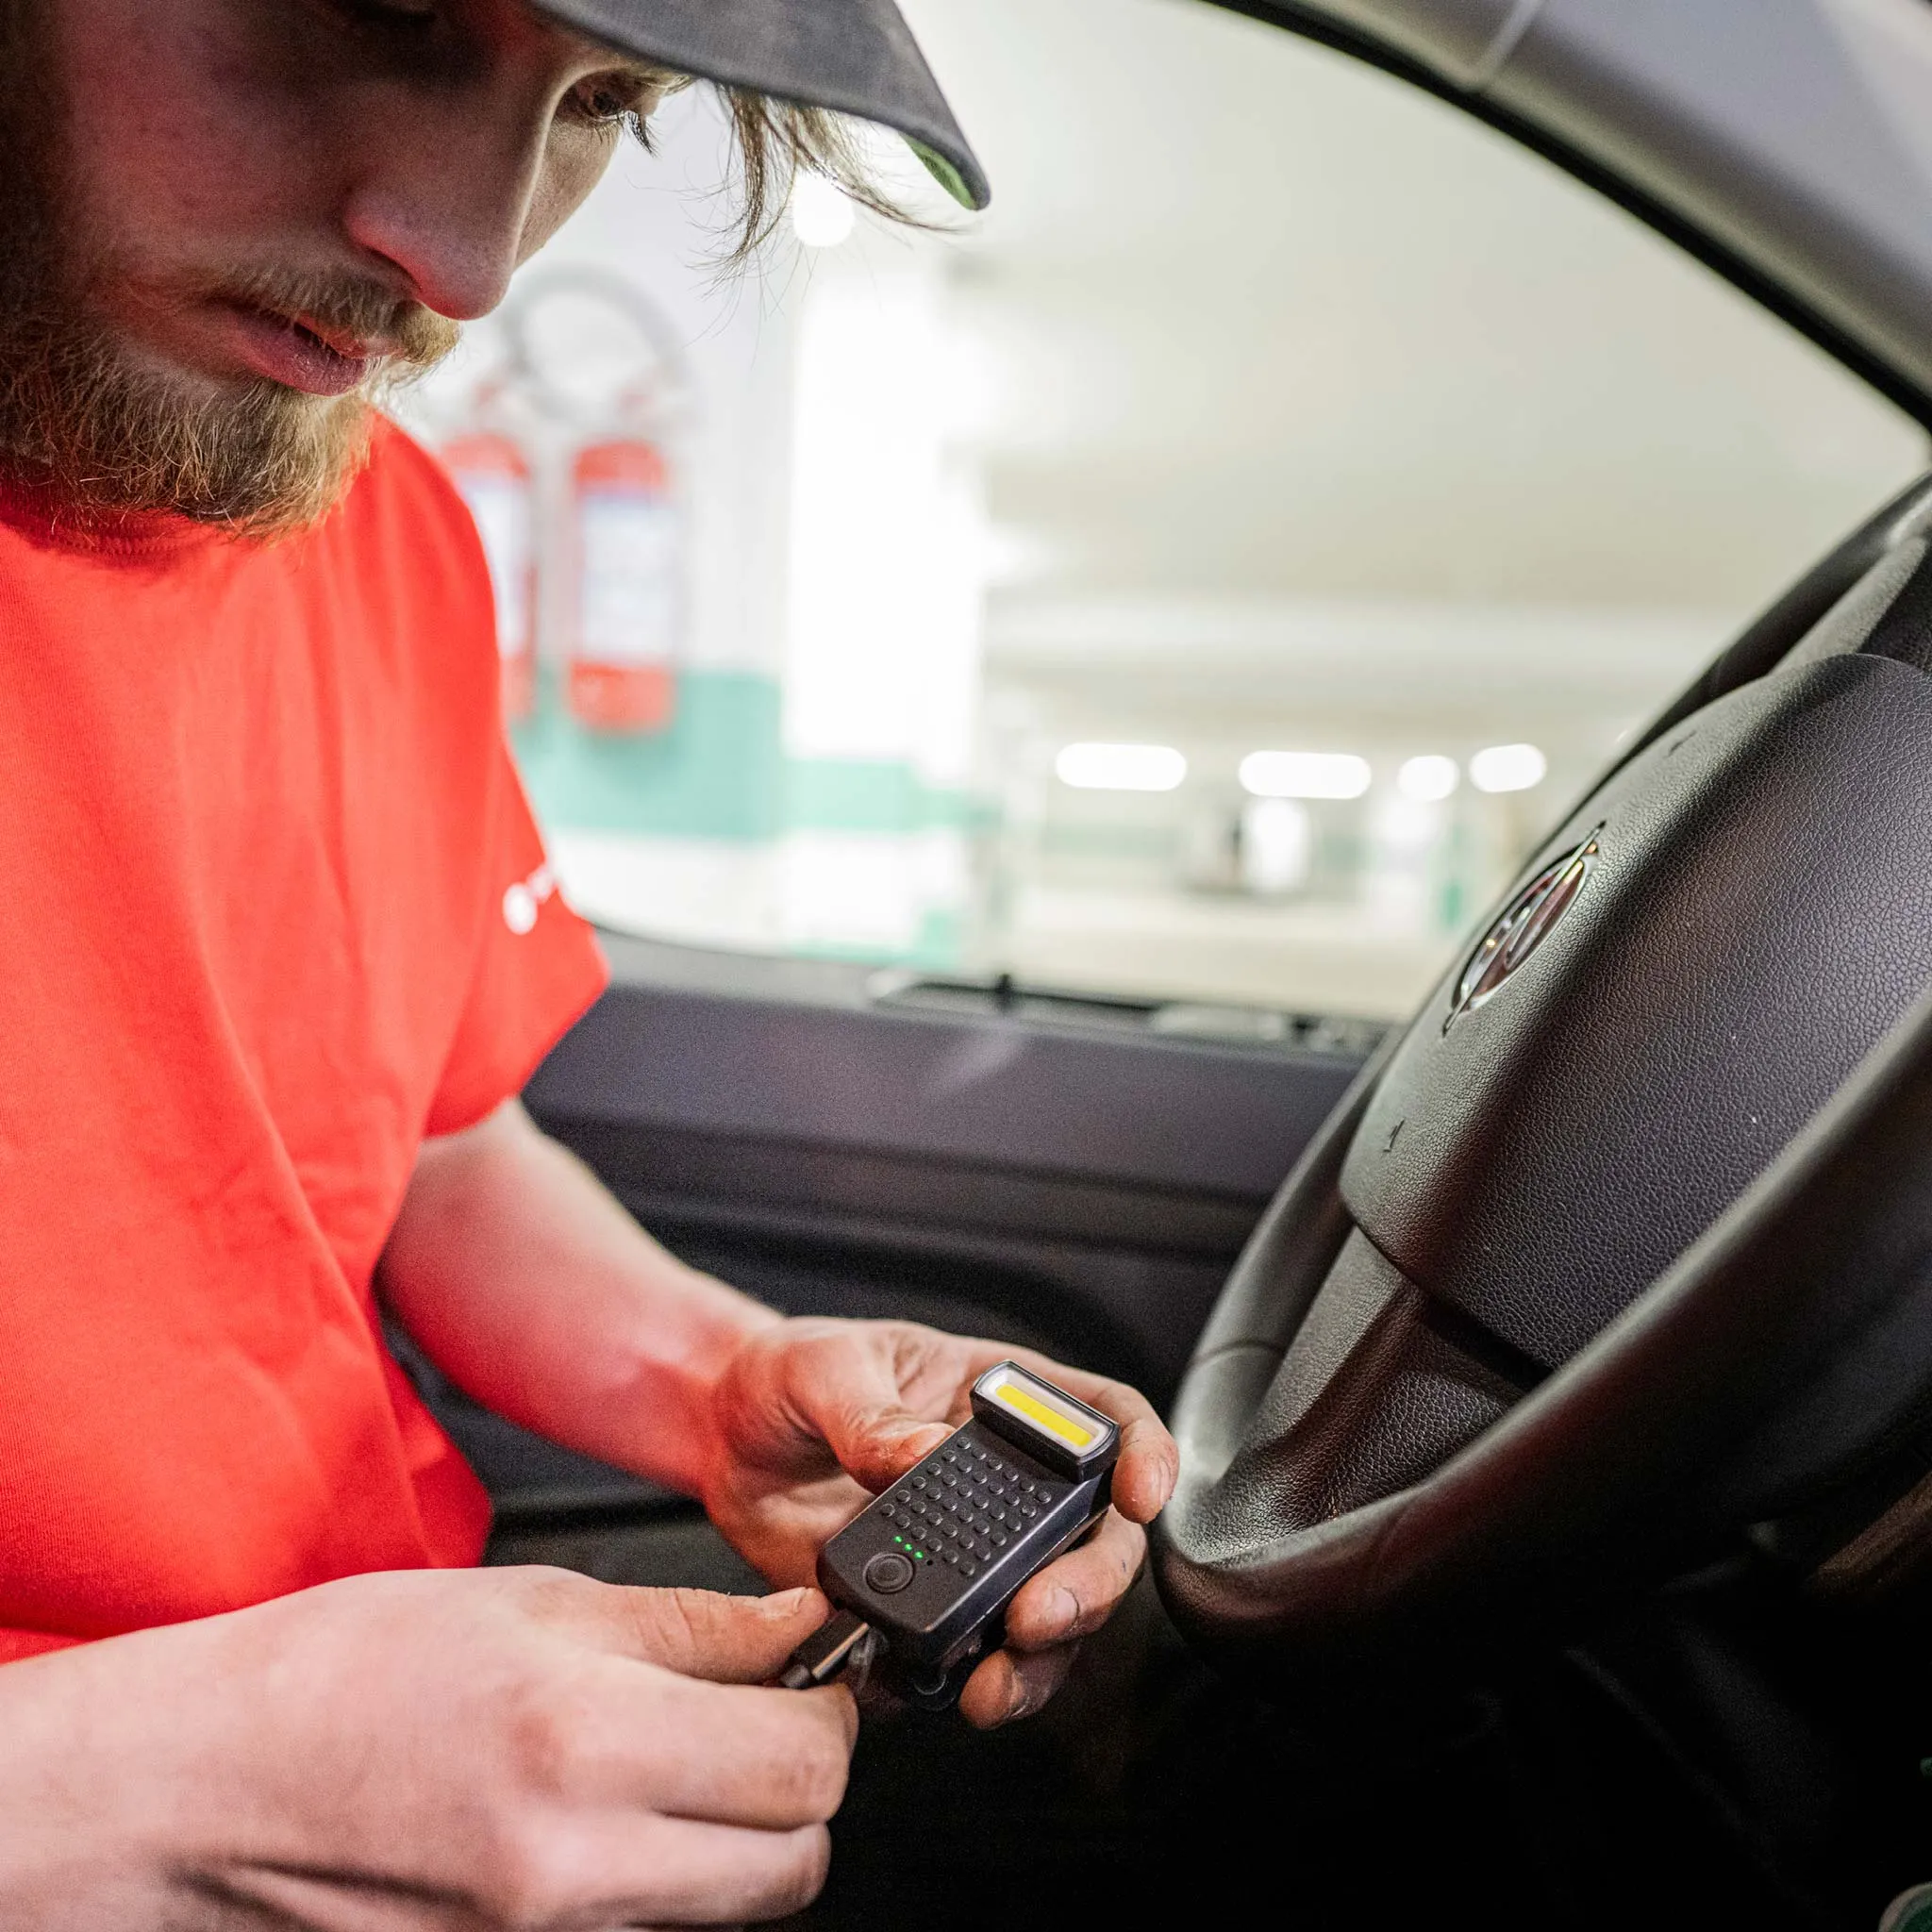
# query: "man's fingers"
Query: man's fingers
730,1639
709,1874
872,1403
1150,1464
690,1664
668,1872
1077,1594
880,1394
892,1446
615,1867
1150,1461
1011,1685
744,1755
697,1633
625,1868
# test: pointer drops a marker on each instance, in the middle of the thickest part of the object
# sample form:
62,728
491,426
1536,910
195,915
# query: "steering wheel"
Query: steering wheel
1619,1260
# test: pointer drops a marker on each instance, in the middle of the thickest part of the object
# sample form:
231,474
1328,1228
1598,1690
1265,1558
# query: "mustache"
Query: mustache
409,337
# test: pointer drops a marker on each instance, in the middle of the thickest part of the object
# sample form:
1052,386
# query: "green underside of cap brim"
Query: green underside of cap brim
945,173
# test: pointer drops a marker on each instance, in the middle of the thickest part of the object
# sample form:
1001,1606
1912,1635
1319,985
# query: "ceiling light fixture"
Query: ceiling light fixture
1428,777
1305,774
1120,767
1507,768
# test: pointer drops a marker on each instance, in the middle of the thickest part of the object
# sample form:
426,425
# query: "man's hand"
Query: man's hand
425,1751
535,1291
811,1415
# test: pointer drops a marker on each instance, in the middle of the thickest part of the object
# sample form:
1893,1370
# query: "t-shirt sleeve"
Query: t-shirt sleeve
538,968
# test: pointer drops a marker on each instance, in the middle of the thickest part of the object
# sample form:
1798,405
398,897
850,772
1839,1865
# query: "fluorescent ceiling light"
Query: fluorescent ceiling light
1120,767
822,211
1305,774
1428,777
1507,768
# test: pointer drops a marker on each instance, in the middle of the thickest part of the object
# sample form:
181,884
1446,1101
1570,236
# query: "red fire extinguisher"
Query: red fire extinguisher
622,645
494,478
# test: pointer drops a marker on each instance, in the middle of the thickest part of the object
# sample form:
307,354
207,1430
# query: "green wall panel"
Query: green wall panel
715,772
719,771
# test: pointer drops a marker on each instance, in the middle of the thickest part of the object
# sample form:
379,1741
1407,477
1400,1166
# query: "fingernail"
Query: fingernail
785,1603
1065,1609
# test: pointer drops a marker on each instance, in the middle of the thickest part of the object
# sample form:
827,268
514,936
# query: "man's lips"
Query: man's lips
299,353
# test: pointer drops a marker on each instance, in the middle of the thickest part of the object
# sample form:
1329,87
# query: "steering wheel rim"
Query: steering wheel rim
1781,1352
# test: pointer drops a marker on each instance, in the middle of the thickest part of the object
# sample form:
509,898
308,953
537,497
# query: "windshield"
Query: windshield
1205,577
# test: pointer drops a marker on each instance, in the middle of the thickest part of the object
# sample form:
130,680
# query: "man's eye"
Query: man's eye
607,100
602,103
619,99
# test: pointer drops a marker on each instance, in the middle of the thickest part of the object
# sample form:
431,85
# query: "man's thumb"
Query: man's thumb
729,1639
880,1447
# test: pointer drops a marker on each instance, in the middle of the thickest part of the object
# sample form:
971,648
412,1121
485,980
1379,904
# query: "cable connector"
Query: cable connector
842,1643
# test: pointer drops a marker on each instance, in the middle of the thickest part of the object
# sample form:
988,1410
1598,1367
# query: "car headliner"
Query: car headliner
1787,143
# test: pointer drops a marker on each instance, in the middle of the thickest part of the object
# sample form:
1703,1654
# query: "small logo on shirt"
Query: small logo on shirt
524,900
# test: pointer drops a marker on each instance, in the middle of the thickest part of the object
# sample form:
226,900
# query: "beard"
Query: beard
105,434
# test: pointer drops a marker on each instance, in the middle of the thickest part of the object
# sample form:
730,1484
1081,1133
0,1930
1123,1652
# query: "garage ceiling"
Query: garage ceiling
1255,322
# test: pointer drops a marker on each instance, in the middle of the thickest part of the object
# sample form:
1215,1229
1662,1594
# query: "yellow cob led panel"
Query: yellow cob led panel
1024,1402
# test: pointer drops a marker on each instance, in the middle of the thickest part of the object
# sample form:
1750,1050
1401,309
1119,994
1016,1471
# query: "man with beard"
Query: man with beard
280,949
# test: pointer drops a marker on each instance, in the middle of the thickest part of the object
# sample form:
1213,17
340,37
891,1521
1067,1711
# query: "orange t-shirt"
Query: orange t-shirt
271,908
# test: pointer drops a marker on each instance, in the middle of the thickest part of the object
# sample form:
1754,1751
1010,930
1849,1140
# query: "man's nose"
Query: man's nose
447,200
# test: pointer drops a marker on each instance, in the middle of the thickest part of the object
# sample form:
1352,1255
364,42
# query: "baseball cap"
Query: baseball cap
855,56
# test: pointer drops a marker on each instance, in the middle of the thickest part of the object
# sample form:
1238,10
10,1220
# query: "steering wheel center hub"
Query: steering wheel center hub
1525,922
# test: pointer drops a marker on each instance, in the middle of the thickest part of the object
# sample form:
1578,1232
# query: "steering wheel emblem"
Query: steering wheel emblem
1524,927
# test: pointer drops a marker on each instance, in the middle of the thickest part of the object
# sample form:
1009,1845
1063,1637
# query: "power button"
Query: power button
888,1571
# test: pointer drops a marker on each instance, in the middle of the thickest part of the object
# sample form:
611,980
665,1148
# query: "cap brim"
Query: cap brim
855,56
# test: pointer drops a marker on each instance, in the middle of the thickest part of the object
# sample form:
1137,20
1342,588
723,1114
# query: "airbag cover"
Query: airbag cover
1756,917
